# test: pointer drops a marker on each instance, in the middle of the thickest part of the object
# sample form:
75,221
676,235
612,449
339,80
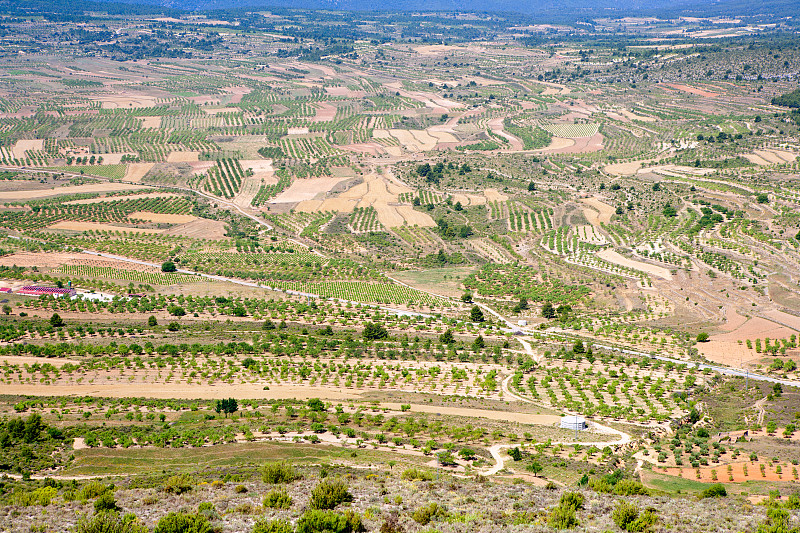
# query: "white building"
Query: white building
573,423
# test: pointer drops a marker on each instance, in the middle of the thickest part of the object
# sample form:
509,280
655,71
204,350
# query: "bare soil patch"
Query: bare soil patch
183,157
136,171
614,257
199,228
23,145
493,195
692,90
325,112
600,213
306,189
38,259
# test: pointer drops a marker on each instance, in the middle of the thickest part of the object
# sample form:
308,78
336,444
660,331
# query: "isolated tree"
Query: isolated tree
702,337
168,266
548,311
479,343
315,404
226,406
467,296
447,337
476,315
374,331
152,321
56,321
531,187
7,309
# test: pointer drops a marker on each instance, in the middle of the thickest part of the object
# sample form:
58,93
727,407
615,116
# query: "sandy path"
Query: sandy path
614,257
58,191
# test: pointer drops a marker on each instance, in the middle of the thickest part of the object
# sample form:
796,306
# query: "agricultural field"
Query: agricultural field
295,271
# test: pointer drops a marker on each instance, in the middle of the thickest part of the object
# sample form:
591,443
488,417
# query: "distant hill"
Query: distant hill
785,10
774,8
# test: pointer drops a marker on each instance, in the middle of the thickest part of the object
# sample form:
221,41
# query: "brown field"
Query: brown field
69,225
182,157
26,144
127,101
737,472
493,195
600,213
306,189
161,217
38,259
729,347
136,171
58,191
633,116
325,112
151,122
200,167
692,90
199,228
614,257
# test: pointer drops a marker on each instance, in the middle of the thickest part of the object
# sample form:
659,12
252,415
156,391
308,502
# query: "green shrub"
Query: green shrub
92,490
208,510
328,494
108,522
624,515
105,502
279,473
716,490
183,523
424,515
41,496
178,484
318,521
629,487
273,526
600,485
627,517
793,502
562,517
573,500
277,499
415,473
